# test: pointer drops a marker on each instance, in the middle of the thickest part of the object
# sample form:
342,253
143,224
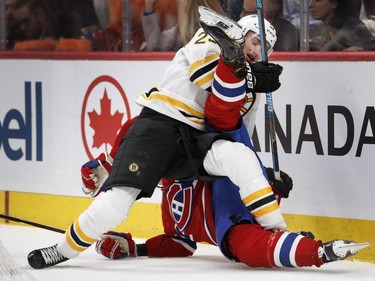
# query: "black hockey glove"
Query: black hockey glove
307,234
284,186
263,77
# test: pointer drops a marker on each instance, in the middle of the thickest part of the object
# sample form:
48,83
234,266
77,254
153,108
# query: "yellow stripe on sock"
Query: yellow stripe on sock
71,243
81,234
266,210
253,196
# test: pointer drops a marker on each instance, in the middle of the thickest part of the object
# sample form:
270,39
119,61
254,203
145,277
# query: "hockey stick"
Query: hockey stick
6,217
270,111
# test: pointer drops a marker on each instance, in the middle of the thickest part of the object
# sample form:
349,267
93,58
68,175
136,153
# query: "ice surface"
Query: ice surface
207,264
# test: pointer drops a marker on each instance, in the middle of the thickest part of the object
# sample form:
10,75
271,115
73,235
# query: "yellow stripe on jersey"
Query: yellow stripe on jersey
202,71
207,78
204,61
266,210
257,195
178,104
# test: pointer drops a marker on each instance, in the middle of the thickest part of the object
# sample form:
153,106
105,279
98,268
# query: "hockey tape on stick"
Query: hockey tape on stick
270,111
6,217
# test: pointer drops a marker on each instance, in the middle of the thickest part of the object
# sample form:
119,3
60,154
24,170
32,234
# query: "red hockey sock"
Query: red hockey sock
257,247
228,94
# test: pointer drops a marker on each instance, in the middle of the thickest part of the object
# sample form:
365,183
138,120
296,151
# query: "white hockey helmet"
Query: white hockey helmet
250,23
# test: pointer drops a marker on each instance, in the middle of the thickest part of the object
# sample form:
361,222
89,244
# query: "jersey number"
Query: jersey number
204,38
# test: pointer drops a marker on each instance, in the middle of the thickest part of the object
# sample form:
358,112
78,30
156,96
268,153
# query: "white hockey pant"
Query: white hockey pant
107,211
240,164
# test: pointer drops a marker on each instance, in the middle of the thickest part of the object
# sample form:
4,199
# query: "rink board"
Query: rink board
325,127
144,220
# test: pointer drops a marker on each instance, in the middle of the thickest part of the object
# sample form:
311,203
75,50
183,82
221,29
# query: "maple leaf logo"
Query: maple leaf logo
105,125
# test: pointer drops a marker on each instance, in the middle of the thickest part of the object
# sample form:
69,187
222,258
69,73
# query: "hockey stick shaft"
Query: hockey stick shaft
270,110
6,217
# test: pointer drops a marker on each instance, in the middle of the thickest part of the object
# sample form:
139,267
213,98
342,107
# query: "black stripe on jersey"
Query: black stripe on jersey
203,70
262,202
76,238
188,115
154,89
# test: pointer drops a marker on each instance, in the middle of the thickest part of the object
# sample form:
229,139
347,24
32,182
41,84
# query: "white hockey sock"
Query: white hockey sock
107,211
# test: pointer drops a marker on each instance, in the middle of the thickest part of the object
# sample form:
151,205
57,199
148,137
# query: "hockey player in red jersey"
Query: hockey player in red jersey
198,211
192,211
240,220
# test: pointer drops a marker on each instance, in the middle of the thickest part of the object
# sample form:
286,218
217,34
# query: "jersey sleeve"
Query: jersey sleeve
170,246
202,54
223,105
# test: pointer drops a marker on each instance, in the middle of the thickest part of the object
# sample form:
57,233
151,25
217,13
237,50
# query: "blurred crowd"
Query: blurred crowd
166,25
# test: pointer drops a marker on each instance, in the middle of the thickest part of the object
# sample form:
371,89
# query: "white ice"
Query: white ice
206,264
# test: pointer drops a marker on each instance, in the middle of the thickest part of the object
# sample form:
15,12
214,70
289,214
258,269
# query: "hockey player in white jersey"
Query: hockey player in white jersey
169,140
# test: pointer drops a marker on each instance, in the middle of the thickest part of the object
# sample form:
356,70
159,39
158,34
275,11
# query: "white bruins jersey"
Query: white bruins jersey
186,83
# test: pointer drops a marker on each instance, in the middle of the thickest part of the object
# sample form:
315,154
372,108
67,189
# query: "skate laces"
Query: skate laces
51,256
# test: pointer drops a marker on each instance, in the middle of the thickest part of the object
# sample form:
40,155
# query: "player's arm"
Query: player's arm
223,105
116,245
95,172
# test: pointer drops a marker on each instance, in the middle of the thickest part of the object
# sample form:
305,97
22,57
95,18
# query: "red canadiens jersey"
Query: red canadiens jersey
187,211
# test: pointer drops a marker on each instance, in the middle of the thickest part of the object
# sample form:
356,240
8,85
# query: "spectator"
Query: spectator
33,19
109,14
156,38
292,12
35,26
13,30
39,22
287,33
342,29
188,19
78,18
368,15
175,37
369,8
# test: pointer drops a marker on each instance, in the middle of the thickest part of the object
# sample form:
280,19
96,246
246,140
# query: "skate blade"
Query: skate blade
357,246
210,17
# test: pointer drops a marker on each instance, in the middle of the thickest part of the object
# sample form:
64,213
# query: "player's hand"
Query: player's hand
281,187
116,245
263,77
307,234
94,173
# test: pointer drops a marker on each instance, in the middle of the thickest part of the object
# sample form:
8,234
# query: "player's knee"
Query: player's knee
112,207
235,154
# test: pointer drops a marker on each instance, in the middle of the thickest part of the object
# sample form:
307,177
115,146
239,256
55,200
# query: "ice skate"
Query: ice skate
45,257
340,249
226,33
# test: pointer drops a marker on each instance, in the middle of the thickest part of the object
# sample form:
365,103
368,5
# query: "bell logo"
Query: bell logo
105,108
16,129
